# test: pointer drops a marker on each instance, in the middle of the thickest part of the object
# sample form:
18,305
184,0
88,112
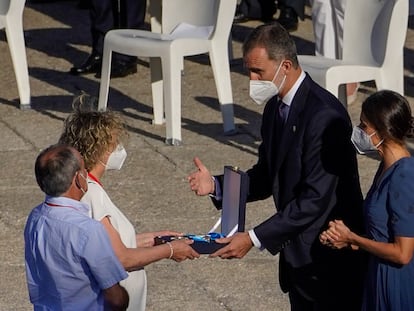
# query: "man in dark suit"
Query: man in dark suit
106,15
308,164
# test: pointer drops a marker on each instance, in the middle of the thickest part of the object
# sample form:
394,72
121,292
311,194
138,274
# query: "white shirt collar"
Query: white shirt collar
288,98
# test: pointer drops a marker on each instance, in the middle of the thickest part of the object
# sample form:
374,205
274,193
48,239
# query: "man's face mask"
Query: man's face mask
362,141
79,185
261,91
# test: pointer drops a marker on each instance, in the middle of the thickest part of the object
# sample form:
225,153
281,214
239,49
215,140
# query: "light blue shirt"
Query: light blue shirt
69,258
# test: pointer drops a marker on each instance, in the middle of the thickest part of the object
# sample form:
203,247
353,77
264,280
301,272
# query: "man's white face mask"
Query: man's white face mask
261,91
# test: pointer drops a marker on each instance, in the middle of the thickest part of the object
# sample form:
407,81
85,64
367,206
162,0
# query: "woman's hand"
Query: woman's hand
182,250
338,235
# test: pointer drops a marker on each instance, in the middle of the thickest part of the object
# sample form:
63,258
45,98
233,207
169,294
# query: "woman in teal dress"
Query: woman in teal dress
389,206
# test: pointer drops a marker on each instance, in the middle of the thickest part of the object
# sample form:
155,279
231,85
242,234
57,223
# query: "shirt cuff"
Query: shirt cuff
255,240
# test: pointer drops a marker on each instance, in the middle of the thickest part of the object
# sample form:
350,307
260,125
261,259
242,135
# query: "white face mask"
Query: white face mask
362,141
116,158
261,91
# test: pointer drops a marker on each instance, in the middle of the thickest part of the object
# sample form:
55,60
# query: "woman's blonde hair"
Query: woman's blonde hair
92,132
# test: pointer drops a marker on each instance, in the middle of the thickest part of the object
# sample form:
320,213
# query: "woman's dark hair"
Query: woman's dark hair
390,114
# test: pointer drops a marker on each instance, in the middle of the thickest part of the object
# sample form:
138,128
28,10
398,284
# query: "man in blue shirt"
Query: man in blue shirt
70,264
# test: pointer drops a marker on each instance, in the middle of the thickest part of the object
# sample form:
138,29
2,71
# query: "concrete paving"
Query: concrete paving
151,188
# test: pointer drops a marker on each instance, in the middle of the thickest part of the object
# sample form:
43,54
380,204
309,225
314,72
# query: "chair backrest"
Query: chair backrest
4,7
195,12
374,30
9,9
167,14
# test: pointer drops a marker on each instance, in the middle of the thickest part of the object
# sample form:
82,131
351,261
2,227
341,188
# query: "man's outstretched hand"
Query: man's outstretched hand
201,181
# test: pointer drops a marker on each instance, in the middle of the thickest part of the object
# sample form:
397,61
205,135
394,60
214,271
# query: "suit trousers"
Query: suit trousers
257,9
111,14
297,5
328,26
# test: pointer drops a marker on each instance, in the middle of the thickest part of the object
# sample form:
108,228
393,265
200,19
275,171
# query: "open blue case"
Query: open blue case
233,213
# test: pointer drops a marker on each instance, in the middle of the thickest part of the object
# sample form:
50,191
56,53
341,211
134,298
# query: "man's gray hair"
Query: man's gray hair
55,168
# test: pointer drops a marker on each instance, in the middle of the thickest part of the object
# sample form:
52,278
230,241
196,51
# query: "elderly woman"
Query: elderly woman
389,206
99,137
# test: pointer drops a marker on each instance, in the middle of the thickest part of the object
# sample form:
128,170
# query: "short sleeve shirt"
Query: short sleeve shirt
68,256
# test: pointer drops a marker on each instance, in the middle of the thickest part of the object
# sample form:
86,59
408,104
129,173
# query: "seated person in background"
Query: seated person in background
99,137
264,10
388,209
70,264
106,15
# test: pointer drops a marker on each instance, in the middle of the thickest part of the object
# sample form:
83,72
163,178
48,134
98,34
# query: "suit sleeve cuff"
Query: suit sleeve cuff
217,190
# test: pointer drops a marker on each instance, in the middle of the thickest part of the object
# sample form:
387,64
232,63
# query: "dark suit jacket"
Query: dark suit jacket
311,171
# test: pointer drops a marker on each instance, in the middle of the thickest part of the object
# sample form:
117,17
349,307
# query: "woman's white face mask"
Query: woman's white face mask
116,158
261,91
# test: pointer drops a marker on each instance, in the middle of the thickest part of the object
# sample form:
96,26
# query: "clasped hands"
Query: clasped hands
337,236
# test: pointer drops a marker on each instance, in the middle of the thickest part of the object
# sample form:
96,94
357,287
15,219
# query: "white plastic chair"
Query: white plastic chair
373,44
166,46
11,19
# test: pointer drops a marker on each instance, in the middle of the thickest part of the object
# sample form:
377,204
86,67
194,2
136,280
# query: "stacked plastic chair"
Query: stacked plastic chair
373,45
179,28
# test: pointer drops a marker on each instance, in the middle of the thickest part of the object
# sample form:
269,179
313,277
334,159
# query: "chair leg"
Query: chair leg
342,95
337,89
157,90
171,69
230,48
221,70
392,78
15,39
105,79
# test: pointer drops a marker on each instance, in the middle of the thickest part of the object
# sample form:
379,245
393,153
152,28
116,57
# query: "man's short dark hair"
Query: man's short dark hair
55,168
275,40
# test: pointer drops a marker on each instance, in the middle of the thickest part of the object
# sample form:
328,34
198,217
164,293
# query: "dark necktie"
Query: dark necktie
283,111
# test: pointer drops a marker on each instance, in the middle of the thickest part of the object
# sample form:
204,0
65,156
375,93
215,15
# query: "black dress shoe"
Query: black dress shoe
120,69
92,64
288,19
240,18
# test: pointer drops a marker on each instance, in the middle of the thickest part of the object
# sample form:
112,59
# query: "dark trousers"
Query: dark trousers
297,5
257,9
332,285
111,14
